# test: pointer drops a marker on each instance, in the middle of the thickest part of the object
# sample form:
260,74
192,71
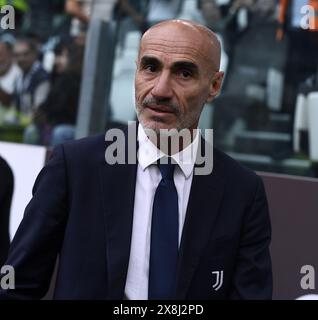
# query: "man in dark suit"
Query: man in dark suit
6,190
144,229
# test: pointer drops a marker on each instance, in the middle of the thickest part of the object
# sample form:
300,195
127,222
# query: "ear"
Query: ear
215,86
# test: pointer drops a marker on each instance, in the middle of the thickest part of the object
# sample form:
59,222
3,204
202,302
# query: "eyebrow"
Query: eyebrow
186,65
149,60
145,60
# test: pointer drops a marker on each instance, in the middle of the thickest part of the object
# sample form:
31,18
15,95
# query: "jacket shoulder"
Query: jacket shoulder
233,170
92,143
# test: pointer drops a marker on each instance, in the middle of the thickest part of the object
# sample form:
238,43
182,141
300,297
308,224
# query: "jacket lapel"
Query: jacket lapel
118,189
203,205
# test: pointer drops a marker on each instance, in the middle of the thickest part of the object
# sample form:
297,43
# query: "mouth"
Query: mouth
160,109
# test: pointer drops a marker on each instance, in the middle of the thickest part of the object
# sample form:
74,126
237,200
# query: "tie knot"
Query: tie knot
166,171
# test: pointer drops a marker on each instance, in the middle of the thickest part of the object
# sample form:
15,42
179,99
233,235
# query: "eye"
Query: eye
150,68
185,74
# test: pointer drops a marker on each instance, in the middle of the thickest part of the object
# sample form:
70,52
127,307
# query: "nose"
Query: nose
162,88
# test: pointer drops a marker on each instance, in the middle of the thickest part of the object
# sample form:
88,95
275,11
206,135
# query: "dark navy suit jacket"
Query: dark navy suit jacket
82,210
6,191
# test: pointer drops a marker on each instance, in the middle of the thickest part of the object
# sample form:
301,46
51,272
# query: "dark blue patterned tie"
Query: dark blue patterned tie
164,237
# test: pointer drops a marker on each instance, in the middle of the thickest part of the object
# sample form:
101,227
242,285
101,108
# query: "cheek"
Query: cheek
193,100
142,88
203,94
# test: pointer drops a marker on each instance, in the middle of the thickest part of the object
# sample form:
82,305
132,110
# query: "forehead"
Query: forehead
174,43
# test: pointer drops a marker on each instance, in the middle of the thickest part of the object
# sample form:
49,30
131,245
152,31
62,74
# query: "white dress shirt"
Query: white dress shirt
148,178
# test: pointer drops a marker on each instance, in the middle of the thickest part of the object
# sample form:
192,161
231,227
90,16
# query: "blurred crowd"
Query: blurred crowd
41,59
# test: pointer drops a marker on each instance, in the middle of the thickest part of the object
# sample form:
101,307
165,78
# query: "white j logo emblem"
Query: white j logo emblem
218,280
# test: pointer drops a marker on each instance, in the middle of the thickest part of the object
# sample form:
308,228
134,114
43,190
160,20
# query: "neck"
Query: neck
171,141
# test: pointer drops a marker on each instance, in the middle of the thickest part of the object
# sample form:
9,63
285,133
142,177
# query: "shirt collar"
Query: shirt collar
149,154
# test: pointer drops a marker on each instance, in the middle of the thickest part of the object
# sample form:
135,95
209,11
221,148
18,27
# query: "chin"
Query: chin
152,125
157,125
